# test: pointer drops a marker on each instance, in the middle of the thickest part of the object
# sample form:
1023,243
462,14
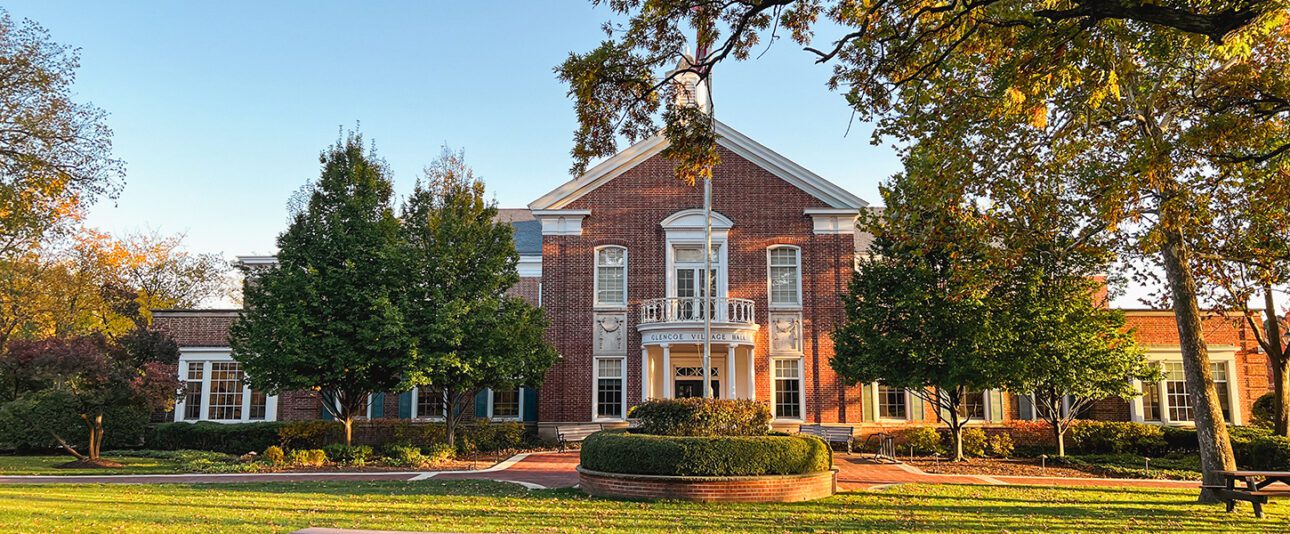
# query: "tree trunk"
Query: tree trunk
348,421
450,418
958,443
1059,437
70,449
1277,359
1211,431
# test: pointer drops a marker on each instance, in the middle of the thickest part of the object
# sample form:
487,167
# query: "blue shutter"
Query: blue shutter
1025,407
481,404
323,412
378,405
405,405
530,404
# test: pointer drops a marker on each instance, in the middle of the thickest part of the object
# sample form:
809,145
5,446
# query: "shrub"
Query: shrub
274,456
405,456
439,453
1111,437
355,454
974,442
1264,409
232,438
419,434
26,423
1267,452
923,439
310,434
1181,439
1031,438
486,436
703,417
1001,445
644,454
189,461
306,458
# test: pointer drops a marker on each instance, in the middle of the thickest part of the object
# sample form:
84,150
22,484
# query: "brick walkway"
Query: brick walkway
556,470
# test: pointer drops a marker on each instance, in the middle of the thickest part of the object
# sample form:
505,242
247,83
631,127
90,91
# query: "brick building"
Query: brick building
616,258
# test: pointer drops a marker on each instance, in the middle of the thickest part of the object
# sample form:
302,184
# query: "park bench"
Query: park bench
1254,488
575,432
830,434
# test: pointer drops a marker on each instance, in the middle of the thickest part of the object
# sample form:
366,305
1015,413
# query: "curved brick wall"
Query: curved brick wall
772,488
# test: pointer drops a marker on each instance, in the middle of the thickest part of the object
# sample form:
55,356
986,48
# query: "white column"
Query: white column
730,371
752,373
667,371
644,373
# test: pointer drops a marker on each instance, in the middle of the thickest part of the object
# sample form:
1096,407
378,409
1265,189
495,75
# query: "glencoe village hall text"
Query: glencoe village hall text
616,259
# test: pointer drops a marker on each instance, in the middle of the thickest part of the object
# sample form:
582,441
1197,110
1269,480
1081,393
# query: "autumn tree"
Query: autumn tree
1148,111
326,317
458,261
55,152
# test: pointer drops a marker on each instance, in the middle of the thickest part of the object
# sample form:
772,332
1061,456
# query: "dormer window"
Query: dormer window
611,277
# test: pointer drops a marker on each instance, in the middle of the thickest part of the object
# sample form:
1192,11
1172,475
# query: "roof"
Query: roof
528,231
827,192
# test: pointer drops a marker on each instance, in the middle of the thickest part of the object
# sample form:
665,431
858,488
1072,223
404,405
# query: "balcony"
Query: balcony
694,310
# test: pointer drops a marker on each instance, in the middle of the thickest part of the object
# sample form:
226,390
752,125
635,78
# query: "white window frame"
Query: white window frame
770,284
519,412
595,389
801,389
720,268
206,356
877,405
416,406
1218,354
595,282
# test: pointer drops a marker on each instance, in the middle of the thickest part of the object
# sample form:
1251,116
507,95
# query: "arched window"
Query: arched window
611,276
784,275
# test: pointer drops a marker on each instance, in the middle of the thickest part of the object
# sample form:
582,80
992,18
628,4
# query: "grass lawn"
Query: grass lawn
493,506
44,465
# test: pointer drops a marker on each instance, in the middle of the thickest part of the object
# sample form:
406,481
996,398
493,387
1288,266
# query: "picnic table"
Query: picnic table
1255,487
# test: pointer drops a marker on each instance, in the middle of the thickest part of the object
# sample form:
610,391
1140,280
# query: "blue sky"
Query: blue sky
220,109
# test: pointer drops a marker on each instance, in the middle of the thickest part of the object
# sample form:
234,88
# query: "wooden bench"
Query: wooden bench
830,434
573,433
1253,489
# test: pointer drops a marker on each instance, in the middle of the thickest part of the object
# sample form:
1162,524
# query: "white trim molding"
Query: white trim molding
205,356
1224,355
561,222
529,266
830,221
827,192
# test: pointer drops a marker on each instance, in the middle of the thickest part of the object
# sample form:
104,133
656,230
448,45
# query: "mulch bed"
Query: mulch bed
89,464
1028,467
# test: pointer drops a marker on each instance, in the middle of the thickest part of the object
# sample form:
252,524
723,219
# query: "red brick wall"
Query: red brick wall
627,211
526,289
195,328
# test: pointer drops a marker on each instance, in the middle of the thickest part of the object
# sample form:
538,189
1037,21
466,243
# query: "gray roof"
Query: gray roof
528,231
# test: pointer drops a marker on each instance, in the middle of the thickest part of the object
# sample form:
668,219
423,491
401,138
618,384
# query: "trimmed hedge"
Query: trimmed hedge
646,454
231,438
703,417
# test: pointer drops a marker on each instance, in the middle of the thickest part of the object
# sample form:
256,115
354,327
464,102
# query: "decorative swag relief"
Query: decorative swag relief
786,333
611,334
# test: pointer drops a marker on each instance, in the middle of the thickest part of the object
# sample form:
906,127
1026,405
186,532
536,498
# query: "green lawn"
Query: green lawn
44,465
492,506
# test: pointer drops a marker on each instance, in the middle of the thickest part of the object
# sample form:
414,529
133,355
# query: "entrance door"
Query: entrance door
689,281
694,388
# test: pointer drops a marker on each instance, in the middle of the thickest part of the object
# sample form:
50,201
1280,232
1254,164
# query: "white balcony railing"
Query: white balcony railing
691,309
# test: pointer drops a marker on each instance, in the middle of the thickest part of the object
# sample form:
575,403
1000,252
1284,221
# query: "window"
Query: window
609,388
785,273
506,404
226,391
216,389
611,276
788,389
973,405
891,403
430,404
1176,401
193,391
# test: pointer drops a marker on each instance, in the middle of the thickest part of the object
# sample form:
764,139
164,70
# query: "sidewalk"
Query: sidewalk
556,470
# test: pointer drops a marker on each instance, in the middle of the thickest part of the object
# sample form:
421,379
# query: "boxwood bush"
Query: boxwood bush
645,454
232,438
703,417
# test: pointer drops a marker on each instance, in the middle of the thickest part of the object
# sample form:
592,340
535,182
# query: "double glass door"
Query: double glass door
690,290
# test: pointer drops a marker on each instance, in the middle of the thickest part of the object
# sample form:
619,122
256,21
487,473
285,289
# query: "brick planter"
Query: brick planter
769,488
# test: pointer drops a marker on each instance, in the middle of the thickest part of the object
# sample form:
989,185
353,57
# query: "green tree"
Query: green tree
458,262
1151,113
918,312
325,318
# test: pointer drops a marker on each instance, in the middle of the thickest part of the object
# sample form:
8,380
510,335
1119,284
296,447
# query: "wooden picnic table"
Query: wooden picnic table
1253,487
